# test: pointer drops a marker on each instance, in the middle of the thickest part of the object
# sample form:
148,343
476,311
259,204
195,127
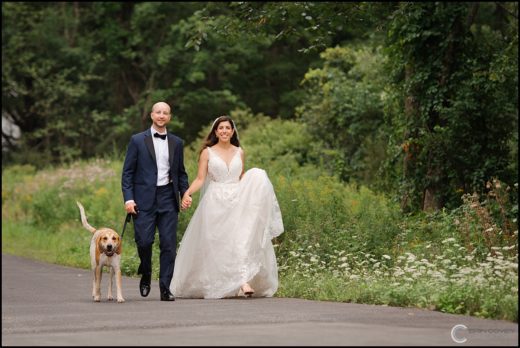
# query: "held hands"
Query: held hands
186,201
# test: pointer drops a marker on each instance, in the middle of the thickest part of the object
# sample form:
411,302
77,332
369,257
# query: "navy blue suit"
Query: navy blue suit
158,206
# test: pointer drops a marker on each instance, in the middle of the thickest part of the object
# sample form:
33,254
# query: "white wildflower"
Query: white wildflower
398,272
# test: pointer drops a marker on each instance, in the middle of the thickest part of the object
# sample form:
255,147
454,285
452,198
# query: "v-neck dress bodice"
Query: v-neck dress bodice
220,171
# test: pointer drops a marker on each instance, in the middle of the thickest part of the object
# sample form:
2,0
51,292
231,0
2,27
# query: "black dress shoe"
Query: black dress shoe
144,284
166,295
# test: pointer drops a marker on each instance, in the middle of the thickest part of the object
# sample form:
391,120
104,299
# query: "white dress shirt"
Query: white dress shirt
161,154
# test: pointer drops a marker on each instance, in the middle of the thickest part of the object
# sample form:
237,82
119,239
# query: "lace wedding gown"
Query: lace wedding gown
228,240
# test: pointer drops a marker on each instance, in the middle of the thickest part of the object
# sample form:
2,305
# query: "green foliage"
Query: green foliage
452,106
107,63
79,78
482,226
343,108
317,25
283,146
466,292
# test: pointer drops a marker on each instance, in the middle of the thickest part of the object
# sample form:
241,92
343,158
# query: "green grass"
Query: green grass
457,299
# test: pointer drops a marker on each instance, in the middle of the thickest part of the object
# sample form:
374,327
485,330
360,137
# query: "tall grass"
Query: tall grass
454,281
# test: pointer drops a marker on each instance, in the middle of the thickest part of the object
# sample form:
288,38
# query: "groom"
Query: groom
153,177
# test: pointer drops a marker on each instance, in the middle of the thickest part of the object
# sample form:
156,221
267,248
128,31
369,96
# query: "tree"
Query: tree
343,108
452,107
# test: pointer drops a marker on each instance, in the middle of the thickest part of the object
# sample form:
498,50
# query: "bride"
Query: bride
226,250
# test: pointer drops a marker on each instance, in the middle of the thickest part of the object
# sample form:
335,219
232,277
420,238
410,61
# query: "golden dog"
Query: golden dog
105,250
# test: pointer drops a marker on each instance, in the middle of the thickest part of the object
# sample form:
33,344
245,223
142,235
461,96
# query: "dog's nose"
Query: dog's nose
109,247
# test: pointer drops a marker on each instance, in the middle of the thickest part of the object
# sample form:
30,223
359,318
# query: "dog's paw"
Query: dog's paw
120,300
110,298
97,298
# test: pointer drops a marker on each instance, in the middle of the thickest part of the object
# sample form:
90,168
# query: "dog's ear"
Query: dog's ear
119,246
99,242
98,248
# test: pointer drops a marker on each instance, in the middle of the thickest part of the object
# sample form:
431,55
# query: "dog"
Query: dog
105,250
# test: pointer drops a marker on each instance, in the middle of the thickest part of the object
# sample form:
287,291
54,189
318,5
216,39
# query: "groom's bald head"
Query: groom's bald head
160,105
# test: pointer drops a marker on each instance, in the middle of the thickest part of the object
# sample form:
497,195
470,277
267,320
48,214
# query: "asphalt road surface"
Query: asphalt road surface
50,305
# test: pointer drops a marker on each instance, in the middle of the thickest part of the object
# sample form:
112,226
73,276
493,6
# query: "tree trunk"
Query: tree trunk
410,110
432,196
430,202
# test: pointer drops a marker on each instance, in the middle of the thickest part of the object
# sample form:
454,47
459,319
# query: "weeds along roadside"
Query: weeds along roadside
341,242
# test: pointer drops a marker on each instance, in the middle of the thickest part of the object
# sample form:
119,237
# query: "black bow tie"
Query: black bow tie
162,136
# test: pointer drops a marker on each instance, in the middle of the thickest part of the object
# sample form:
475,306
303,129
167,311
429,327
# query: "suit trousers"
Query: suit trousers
164,216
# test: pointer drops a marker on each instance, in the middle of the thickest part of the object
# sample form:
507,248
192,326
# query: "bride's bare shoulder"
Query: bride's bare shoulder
204,153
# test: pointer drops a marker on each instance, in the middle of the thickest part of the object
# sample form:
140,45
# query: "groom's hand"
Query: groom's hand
186,201
130,207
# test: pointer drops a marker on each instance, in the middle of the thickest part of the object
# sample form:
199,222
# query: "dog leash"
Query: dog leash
127,220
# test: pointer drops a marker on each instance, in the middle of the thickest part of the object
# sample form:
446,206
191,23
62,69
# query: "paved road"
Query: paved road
50,305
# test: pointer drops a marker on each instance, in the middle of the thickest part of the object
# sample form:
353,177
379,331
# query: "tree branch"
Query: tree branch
506,10
473,14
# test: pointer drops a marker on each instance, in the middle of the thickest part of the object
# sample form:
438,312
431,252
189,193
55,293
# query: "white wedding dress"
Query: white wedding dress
228,240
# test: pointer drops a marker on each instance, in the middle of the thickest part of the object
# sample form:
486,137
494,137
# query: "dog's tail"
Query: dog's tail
84,218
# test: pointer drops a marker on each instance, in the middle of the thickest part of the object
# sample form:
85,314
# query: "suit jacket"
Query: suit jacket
139,178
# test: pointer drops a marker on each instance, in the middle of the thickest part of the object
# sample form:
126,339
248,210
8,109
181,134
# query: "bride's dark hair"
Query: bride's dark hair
212,139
